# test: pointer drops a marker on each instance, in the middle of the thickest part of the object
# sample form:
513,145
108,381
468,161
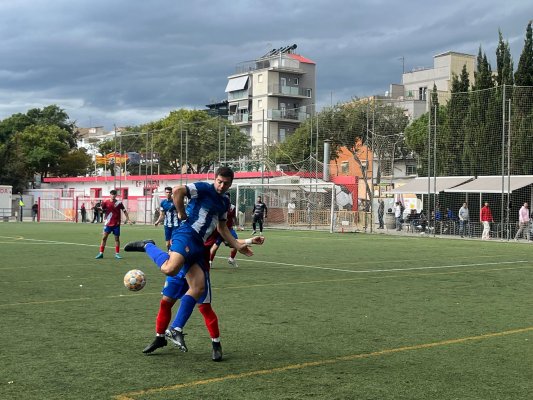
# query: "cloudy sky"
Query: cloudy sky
128,62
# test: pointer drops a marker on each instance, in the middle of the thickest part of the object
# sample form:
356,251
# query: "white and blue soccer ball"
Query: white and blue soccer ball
134,280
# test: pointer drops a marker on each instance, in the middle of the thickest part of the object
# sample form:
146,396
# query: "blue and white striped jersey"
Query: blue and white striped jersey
171,215
206,207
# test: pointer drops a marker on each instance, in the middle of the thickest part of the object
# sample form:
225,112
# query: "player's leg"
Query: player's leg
233,252
260,226
168,236
116,232
103,242
164,315
213,251
169,263
254,221
211,323
196,279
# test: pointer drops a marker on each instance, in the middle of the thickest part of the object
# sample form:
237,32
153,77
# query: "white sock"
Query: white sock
216,340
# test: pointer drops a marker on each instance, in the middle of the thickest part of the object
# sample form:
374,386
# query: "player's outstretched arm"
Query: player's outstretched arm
231,241
254,240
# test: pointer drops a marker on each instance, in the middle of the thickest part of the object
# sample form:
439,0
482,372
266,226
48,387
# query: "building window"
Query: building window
260,78
259,103
308,92
345,167
422,93
282,134
296,81
410,170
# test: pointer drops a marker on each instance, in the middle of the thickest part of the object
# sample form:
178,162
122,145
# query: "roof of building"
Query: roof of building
446,53
301,58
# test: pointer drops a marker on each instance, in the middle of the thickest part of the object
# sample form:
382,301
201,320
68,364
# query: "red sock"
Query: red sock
233,253
210,319
117,249
163,316
102,249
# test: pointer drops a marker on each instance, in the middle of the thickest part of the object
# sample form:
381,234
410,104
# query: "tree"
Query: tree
454,125
186,140
16,172
22,146
522,111
350,126
482,138
43,147
524,72
75,163
504,62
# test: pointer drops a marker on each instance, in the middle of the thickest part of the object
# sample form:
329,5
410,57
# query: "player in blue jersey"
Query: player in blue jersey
206,210
168,215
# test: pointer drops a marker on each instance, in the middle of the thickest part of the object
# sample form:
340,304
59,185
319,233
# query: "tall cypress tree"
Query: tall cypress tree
524,72
482,139
522,110
504,62
455,116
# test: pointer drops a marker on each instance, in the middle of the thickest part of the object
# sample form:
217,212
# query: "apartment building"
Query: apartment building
412,94
268,98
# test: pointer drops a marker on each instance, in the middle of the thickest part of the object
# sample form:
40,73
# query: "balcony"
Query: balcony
287,115
238,95
239,118
289,91
278,63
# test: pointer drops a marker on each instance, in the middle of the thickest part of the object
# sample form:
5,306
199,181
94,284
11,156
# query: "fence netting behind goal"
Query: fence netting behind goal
316,206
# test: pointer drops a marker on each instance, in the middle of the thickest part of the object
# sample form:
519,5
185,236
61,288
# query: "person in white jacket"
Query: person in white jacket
523,222
464,219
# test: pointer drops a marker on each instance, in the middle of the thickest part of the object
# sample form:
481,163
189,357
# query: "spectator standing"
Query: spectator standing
381,212
291,210
34,211
485,216
398,215
96,211
260,212
83,212
464,218
523,221
21,206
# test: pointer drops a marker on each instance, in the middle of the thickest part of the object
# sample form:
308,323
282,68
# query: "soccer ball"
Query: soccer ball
134,280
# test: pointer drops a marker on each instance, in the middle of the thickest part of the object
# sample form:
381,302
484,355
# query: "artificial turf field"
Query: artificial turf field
311,315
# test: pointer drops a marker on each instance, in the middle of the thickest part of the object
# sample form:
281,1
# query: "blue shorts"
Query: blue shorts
168,232
115,230
220,239
189,245
176,286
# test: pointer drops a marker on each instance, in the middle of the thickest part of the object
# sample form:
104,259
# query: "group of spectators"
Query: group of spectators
446,222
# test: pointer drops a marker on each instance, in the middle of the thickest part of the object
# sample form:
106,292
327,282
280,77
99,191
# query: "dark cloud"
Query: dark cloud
123,62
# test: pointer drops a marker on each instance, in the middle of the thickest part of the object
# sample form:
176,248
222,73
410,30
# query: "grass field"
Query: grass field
311,315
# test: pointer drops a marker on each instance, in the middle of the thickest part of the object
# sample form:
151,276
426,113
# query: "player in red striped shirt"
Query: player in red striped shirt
112,208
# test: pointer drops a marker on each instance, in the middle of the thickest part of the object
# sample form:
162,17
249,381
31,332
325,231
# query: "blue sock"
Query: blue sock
156,254
187,304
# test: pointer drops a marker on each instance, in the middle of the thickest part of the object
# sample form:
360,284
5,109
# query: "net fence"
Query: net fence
298,205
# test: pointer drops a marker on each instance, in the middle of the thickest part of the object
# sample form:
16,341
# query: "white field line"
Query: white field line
310,266
16,239
368,271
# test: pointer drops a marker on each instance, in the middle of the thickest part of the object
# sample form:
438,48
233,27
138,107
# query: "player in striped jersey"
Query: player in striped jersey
168,215
206,210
